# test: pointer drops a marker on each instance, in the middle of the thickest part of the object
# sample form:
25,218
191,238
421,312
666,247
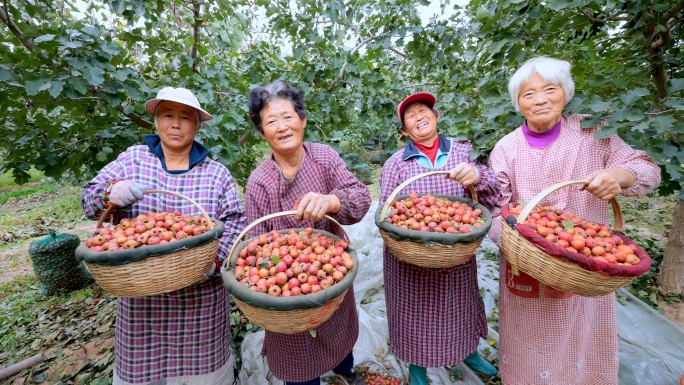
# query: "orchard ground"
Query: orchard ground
75,331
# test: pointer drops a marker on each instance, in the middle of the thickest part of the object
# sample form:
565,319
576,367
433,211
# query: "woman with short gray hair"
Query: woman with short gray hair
312,179
547,336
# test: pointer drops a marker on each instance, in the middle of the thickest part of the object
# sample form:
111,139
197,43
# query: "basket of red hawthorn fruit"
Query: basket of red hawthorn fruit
292,280
568,253
432,230
153,253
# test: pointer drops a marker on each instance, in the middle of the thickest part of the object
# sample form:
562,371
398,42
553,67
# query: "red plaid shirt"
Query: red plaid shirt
436,316
300,357
184,332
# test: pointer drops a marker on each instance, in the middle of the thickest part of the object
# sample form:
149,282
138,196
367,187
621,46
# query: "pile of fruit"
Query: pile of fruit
372,377
578,235
292,264
377,378
147,230
432,214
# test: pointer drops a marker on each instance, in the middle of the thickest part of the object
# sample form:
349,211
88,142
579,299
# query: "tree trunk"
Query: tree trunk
671,276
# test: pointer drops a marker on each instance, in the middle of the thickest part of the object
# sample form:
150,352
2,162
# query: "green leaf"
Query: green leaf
313,333
675,85
70,44
91,30
663,123
56,87
496,47
605,132
79,85
568,224
93,75
33,87
275,260
298,52
109,47
103,155
6,75
43,38
676,103
622,299
598,105
653,297
633,95
264,263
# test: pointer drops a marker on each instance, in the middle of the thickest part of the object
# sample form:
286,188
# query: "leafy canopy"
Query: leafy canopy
74,86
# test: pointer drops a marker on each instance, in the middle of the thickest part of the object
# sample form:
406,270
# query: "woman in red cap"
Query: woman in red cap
436,316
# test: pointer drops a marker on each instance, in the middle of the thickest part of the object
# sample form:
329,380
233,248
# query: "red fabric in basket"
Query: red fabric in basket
583,261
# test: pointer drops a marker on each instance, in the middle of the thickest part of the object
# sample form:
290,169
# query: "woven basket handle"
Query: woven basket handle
111,208
408,181
617,213
276,215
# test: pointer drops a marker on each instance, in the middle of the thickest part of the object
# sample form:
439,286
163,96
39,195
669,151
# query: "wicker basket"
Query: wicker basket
562,275
442,250
286,315
157,269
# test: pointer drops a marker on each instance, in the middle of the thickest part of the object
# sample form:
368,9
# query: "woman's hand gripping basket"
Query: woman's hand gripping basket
302,311
426,247
155,269
612,261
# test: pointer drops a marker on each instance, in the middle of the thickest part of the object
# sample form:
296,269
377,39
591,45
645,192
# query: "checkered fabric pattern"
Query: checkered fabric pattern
185,332
436,316
300,357
573,340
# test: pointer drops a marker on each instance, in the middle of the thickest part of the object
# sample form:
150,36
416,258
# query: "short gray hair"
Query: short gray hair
197,115
551,70
259,98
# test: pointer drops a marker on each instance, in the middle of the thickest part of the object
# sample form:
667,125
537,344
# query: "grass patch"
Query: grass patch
54,205
23,193
7,180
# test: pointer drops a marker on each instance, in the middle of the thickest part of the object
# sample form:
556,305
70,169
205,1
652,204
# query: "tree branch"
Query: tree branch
195,35
658,75
346,62
591,18
398,52
675,21
137,119
422,85
661,41
30,46
27,43
673,11
245,136
659,112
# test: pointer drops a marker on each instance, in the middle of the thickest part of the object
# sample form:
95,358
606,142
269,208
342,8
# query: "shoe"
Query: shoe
353,378
417,375
479,364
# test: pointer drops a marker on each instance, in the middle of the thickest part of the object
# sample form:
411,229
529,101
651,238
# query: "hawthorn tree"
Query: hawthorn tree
75,81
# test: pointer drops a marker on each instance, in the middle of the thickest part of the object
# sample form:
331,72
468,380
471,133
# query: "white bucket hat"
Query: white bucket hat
178,95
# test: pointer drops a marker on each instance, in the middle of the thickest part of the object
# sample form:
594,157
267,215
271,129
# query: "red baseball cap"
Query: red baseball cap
423,97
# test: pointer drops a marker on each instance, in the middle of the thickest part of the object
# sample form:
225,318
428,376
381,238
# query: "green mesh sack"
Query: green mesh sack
55,264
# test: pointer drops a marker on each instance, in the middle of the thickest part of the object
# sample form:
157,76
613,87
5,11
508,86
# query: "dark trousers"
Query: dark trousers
344,367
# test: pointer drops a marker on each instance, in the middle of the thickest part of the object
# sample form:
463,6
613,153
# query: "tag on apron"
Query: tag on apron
526,286
521,285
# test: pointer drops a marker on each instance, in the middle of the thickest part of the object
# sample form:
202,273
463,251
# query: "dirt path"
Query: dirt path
674,312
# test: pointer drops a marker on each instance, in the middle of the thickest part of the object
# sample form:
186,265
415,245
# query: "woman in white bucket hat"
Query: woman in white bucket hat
181,337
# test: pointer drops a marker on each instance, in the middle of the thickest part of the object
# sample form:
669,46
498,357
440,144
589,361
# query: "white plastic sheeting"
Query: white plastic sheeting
651,347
